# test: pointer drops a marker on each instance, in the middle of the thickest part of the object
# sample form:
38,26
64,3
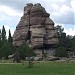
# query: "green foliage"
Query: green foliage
6,46
10,40
62,39
59,30
25,51
0,34
61,51
6,50
68,42
0,39
3,35
73,43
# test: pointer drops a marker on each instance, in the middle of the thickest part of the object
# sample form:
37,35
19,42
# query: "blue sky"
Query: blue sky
62,12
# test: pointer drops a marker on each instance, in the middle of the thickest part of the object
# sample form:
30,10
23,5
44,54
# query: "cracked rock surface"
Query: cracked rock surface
35,28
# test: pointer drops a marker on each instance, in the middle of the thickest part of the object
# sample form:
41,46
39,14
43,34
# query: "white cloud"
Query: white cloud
70,31
56,0
73,4
8,11
64,9
60,11
9,18
55,7
63,14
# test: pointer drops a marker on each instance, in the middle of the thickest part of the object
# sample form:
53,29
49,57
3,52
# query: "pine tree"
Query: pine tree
10,40
0,39
7,47
0,34
6,50
3,35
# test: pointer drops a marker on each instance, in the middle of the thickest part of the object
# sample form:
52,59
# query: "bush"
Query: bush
61,52
25,51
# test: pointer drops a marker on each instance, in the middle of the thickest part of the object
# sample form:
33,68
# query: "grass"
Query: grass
42,68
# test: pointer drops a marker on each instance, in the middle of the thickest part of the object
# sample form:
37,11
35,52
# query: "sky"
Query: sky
62,12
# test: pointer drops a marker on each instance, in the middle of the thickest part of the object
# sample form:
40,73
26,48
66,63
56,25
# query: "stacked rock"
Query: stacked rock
35,28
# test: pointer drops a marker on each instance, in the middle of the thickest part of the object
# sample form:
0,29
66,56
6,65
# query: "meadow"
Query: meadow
40,68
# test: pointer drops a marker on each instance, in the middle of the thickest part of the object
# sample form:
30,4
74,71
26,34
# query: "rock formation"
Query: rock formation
36,28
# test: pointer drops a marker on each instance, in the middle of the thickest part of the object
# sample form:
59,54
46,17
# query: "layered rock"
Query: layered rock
35,27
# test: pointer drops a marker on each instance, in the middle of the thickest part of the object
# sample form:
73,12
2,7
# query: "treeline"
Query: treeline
66,43
6,46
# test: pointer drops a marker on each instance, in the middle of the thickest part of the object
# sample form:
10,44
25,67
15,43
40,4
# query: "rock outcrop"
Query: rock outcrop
36,28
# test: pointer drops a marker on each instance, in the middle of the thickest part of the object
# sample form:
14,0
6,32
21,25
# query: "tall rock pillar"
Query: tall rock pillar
36,28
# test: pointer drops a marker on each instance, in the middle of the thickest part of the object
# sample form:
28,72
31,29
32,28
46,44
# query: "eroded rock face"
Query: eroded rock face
35,28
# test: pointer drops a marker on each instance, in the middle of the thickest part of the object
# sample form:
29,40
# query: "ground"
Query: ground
39,68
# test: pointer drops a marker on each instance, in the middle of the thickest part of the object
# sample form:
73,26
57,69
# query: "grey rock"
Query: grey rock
35,27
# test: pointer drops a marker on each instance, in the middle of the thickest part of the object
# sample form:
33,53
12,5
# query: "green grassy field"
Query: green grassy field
42,68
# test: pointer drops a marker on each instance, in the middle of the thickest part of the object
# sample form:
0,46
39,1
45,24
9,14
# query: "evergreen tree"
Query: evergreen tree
73,44
3,35
66,43
0,34
61,35
25,51
6,50
10,40
0,39
61,51
59,30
